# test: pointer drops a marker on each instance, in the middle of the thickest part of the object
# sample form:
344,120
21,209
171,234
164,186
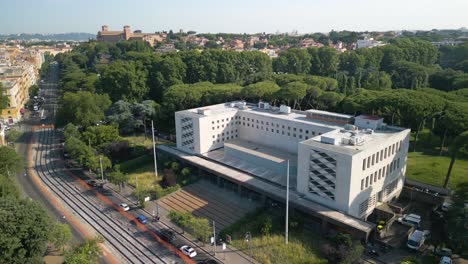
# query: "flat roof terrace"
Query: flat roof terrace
273,191
273,169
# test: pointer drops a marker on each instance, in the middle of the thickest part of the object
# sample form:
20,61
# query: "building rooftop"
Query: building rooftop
350,142
273,112
278,192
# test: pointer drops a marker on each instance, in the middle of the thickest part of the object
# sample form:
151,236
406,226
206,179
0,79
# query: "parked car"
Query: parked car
167,235
142,219
416,240
445,207
444,252
410,220
445,260
208,261
188,251
124,206
93,183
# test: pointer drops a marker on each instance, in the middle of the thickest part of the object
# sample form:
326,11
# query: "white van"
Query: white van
416,240
410,220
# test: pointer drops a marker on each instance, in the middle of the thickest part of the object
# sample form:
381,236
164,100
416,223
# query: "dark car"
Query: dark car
93,183
167,235
208,261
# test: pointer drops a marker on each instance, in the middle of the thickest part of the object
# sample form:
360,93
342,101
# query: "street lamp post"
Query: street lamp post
102,172
248,237
154,151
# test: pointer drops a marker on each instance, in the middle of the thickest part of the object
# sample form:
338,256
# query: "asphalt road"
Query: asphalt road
27,186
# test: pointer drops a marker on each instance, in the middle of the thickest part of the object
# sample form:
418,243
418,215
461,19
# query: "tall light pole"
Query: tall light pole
287,205
214,238
102,172
248,237
154,151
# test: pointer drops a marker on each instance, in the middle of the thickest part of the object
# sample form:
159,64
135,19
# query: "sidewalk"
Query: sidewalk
230,255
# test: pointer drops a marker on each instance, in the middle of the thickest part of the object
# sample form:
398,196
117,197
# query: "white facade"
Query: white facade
346,167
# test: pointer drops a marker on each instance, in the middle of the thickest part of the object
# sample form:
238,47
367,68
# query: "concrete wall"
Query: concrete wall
356,195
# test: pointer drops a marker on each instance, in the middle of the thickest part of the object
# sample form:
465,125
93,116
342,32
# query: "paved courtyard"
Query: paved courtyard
207,200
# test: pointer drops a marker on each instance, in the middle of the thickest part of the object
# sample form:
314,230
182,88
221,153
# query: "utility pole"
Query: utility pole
154,151
102,172
214,238
287,205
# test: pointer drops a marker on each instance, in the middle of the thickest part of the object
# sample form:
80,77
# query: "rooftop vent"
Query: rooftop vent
285,109
263,105
203,111
241,105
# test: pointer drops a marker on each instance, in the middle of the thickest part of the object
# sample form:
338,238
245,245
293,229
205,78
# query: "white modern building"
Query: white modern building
346,163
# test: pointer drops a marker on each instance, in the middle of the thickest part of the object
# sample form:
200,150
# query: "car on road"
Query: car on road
142,219
445,260
208,261
124,206
93,183
188,251
167,235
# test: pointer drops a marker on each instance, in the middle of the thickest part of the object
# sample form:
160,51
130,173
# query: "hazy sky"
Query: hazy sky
58,16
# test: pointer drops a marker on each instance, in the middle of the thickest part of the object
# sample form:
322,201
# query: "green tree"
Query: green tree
261,90
351,62
10,162
123,80
458,149
85,253
60,235
33,90
70,130
117,177
457,218
99,136
409,75
294,92
24,231
324,61
294,60
82,108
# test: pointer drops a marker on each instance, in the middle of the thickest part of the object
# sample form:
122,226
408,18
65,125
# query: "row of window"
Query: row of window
381,155
380,174
222,139
227,133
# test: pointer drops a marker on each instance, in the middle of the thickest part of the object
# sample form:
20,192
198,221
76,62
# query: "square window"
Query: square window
212,122
213,128
213,136
217,121
289,134
300,136
289,128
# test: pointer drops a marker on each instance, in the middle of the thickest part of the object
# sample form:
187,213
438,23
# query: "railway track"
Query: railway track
131,249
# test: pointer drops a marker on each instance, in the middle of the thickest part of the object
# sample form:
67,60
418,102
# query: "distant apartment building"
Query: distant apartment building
115,36
346,163
308,42
368,43
16,81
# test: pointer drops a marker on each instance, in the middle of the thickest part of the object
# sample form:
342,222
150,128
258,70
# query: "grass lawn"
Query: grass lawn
431,169
269,247
141,141
142,168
